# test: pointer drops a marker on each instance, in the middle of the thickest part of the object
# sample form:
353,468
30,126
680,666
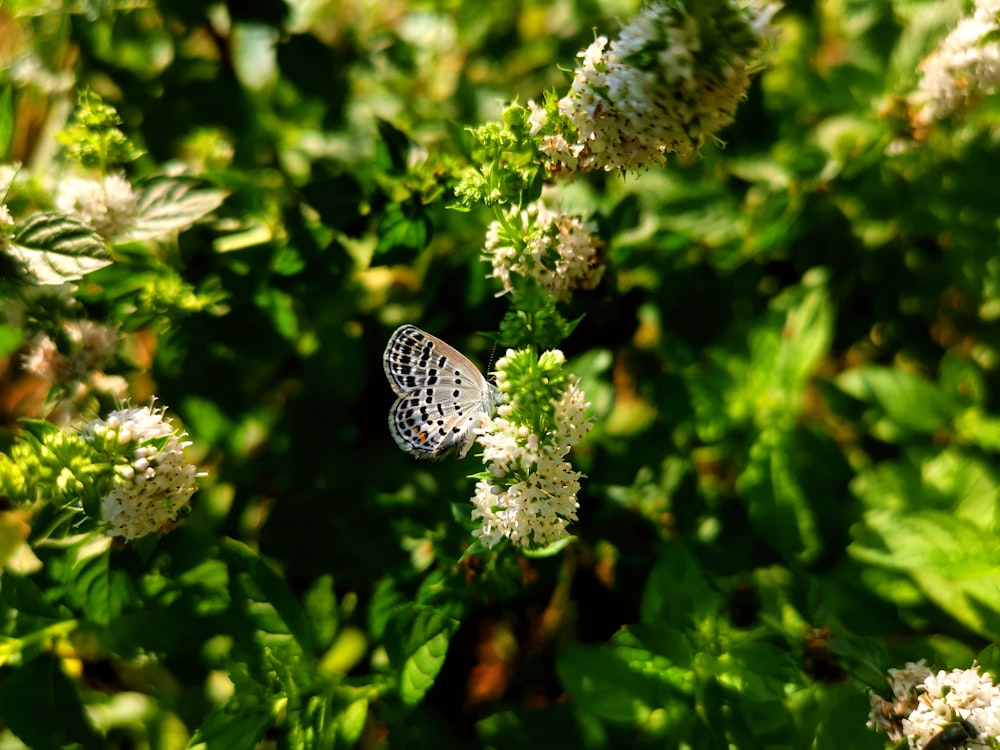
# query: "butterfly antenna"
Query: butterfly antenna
493,351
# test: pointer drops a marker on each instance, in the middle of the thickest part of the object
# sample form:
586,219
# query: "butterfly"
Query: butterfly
442,396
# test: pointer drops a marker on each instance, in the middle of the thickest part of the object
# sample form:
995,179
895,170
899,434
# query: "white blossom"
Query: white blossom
90,346
926,703
531,495
153,482
555,248
888,715
654,90
962,68
107,206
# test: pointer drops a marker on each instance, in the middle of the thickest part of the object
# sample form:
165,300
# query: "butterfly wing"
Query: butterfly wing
442,395
429,423
414,358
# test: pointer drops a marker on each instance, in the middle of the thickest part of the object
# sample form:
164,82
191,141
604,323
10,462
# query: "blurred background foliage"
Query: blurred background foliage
792,360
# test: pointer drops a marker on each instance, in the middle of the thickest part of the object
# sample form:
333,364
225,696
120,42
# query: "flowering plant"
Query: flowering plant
737,457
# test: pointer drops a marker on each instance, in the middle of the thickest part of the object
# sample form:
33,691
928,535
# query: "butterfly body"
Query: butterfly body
443,397
954,735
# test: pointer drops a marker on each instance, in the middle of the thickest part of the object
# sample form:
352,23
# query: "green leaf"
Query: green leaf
40,705
676,593
226,727
53,248
334,719
403,230
10,338
777,503
417,642
320,603
338,199
904,402
979,428
601,681
39,428
392,149
757,671
168,205
6,123
350,723
23,594
807,332
244,560
785,351
92,587
953,561
551,549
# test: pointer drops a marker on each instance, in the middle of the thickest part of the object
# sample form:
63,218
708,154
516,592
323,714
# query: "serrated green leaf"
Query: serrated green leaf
165,206
417,641
53,248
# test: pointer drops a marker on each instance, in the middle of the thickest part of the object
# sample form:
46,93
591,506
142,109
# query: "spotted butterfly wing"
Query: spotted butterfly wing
442,396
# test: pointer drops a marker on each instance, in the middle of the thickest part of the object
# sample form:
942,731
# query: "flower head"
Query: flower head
928,703
965,66
554,248
89,346
108,207
528,493
153,482
673,77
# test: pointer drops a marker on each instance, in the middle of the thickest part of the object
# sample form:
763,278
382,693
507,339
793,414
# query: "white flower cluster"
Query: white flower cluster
555,248
107,206
927,704
532,493
964,66
91,346
661,87
153,482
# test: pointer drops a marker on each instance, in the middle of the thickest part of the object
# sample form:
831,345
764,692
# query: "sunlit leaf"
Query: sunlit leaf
166,205
417,642
906,401
952,560
53,248
604,683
